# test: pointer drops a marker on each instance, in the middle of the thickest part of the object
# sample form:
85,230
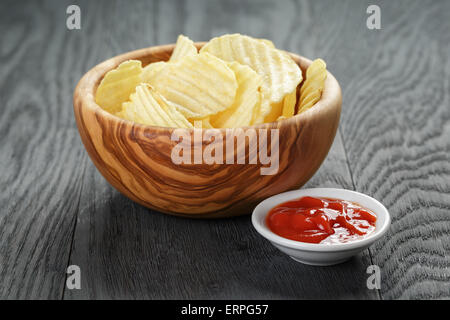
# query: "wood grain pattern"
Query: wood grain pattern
136,159
128,252
39,147
398,146
392,144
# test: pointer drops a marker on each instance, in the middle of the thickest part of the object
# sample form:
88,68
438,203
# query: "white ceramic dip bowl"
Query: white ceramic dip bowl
321,254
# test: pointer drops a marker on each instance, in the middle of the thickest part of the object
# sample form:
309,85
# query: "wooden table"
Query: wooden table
393,144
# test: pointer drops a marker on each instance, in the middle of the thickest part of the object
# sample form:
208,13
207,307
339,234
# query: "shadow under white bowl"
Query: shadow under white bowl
321,254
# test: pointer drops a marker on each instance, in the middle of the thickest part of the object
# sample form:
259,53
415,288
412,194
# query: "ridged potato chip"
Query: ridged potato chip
312,88
280,73
275,110
151,70
289,103
146,106
267,42
272,112
129,112
199,86
263,109
202,123
183,48
248,98
118,84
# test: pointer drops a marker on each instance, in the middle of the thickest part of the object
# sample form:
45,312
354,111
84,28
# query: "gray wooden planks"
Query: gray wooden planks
395,128
129,252
393,144
41,159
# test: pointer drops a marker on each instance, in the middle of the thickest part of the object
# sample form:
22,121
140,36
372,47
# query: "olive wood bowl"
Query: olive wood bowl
136,159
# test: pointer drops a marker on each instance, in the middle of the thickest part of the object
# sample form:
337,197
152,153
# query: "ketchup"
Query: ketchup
321,220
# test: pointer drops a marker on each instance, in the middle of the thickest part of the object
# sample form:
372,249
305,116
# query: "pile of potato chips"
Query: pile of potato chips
233,81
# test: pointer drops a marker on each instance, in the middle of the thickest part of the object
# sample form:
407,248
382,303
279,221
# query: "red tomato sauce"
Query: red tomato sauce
321,220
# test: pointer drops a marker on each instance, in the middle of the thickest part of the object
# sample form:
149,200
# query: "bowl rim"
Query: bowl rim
87,86
263,208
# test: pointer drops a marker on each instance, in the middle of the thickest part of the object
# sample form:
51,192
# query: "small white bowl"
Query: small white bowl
321,254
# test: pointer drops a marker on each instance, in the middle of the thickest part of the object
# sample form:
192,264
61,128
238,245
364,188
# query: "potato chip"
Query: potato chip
118,84
129,112
271,112
312,89
183,48
280,73
146,106
262,110
121,113
267,42
289,102
199,86
248,97
275,110
151,70
202,123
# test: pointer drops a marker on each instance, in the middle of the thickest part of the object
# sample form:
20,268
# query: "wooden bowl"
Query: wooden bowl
136,159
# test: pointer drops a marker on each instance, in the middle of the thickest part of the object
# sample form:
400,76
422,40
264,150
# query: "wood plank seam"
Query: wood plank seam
75,223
